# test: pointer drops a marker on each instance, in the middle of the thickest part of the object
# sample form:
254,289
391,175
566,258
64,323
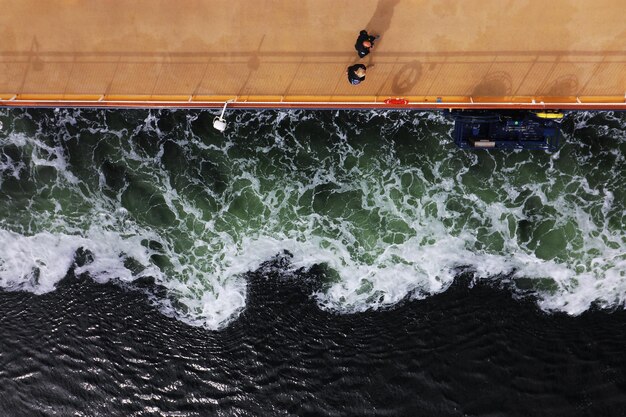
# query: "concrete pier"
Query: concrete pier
286,53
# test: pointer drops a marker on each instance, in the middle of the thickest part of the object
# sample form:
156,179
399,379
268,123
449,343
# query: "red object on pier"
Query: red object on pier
397,101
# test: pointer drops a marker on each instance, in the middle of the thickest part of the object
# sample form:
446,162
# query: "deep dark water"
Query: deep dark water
88,349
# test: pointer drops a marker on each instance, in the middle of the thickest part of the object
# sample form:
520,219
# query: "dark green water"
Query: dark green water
383,202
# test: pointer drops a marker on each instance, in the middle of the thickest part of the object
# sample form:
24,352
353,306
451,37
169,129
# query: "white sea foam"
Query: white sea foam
37,263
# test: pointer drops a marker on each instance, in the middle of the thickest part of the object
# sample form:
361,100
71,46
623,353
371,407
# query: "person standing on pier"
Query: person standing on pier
356,73
364,43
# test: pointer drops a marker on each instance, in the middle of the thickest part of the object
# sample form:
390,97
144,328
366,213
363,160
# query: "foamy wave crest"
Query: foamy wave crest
416,271
37,263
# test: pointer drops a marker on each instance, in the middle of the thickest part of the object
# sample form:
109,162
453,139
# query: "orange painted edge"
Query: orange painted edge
313,102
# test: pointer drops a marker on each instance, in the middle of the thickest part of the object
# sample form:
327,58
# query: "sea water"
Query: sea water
381,203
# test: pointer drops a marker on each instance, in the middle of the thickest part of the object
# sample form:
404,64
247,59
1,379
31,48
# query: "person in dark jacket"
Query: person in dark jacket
356,73
364,43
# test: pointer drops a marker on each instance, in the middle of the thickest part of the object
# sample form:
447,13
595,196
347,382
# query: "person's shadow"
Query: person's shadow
380,21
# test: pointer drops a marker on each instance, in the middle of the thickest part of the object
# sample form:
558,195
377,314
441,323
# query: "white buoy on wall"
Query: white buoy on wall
219,122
